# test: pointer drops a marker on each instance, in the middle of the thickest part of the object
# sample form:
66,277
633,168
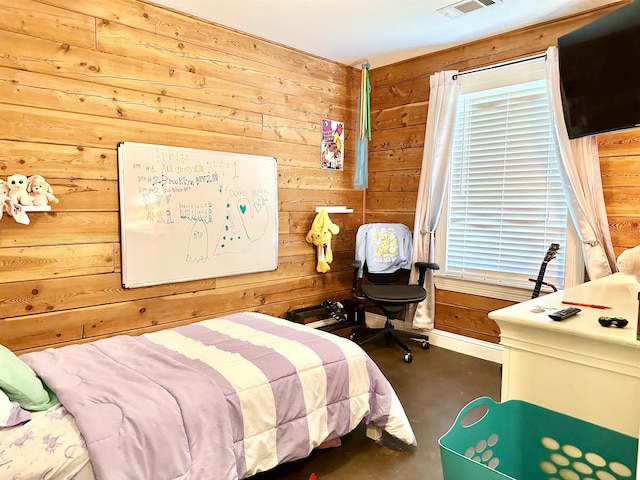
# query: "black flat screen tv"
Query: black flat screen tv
600,73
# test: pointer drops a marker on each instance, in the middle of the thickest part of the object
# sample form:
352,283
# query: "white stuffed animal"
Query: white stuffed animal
629,262
4,190
18,189
9,207
5,199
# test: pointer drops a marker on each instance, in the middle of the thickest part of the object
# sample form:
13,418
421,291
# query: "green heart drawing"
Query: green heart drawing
256,220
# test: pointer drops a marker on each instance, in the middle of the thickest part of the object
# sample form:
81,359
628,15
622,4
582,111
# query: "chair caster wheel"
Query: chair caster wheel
408,358
425,345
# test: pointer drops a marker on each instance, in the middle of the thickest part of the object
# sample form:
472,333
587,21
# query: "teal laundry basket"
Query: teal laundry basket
521,441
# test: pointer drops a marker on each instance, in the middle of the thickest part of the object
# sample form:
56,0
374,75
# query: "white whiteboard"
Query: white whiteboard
189,214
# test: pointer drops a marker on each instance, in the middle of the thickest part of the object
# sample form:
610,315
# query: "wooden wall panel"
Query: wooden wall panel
165,22
118,39
48,22
77,78
69,161
391,160
66,228
68,95
177,81
402,116
399,106
30,263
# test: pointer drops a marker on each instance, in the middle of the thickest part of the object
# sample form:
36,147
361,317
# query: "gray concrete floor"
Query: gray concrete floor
432,389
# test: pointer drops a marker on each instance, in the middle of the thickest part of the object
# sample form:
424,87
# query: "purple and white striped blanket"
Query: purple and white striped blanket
223,398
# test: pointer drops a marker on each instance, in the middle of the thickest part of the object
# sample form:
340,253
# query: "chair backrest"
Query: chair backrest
384,249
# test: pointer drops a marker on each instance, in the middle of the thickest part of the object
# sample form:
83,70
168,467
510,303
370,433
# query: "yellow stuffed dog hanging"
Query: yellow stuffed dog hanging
322,230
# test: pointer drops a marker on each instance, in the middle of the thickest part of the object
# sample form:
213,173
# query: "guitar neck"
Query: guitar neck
536,289
550,255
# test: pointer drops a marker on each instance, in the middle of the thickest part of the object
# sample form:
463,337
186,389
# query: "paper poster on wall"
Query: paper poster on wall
189,214
332,145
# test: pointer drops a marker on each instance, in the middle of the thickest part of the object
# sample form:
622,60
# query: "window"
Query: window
505,204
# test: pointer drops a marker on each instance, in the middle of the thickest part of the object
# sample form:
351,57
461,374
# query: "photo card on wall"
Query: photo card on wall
332,157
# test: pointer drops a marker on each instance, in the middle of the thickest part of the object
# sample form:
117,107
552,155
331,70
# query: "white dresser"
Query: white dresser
576,366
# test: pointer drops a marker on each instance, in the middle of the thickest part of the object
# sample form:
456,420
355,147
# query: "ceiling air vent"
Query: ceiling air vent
465,6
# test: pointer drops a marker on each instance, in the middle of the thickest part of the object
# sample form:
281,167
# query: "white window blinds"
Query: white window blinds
506,202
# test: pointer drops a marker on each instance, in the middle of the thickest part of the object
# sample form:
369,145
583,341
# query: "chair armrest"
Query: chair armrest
422,268
355,264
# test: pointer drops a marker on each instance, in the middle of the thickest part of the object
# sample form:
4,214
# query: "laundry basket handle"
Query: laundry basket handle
478,402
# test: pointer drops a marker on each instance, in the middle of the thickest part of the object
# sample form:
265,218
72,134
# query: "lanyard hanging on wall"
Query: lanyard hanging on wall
364,130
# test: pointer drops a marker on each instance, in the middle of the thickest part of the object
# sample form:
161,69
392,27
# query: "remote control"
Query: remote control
564,313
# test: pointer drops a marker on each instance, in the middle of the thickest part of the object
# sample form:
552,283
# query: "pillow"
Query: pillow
10,412
21,384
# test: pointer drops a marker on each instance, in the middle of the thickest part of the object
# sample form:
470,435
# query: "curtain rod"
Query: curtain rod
512,62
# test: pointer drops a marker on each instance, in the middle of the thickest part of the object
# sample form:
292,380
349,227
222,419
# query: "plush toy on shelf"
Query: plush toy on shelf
4,189
12,209
40,191
18,189
5,199
320,234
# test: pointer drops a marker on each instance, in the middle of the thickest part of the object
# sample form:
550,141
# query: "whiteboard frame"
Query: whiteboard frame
128,281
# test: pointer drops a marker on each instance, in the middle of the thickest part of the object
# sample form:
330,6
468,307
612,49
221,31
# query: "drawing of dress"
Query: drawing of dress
230,236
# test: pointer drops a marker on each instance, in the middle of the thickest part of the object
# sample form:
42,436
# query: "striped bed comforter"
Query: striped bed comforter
223,398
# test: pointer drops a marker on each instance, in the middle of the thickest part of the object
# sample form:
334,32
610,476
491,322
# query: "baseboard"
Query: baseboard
451,341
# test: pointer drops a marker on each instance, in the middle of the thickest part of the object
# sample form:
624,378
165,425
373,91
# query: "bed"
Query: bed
223,398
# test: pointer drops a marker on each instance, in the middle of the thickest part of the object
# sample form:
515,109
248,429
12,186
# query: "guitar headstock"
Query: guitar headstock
552,252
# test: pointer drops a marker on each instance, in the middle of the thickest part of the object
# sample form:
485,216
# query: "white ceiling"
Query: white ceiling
379,31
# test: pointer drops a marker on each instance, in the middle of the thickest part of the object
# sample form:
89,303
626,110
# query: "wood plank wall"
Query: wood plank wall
399,104
79,77
76,78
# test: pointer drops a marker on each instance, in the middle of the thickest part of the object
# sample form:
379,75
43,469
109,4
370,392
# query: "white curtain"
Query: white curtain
434,176
580,169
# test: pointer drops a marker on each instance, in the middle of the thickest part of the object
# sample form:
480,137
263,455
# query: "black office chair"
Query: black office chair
391,298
